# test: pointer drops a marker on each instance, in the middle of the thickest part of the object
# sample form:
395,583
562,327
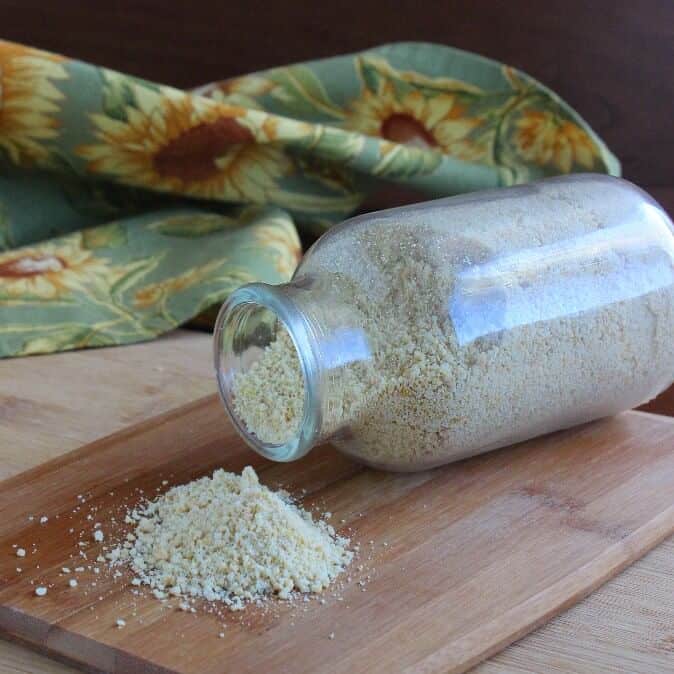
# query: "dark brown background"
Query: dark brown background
612,60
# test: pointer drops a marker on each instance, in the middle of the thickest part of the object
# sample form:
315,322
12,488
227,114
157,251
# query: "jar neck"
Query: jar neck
251,317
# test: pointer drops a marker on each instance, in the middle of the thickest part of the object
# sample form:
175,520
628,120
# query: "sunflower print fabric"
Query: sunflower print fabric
128,208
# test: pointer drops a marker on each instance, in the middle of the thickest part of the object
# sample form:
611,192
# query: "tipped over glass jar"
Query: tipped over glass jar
421,335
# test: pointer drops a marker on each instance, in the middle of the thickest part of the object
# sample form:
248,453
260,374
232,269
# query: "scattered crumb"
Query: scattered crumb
44,519
72,582
221,635
98,536
331,635
20,552
120,623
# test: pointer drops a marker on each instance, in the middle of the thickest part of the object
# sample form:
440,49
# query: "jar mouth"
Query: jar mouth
250,320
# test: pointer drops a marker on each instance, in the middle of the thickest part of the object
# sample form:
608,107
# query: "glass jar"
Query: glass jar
420,335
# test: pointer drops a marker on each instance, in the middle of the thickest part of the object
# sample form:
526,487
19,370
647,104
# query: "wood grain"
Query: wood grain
52,404
477,554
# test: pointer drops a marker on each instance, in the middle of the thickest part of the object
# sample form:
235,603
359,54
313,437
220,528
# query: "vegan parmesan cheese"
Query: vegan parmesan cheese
457,363
229,538
270,395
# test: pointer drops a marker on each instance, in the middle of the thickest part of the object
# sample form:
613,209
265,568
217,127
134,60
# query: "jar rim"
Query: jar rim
229,323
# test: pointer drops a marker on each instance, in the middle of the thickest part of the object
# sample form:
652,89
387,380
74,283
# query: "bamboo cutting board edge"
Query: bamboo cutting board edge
583,583
40,649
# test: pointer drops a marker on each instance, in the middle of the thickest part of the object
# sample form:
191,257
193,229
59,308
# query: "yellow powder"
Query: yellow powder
269,396
228,538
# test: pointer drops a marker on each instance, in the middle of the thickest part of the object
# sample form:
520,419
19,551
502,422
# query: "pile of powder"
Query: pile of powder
228,538
495,331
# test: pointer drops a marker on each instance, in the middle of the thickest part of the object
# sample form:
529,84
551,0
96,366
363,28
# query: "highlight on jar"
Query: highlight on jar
417,336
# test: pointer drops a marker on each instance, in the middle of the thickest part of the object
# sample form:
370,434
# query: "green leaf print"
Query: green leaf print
117,95
133,273
194,226
404,162
333,144
303,93
369,73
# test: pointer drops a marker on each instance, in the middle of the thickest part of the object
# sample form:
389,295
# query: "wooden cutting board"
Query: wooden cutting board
463,560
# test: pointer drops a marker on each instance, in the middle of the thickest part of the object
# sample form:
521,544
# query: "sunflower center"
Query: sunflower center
31,265
403,128
192,155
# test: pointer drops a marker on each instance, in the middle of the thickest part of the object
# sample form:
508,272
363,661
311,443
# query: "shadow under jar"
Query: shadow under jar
421,335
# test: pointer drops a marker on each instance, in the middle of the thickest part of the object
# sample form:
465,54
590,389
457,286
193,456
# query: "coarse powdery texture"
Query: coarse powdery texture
458,362
228,538
270,394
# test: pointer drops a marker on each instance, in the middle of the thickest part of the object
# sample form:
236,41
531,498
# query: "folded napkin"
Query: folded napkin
128,208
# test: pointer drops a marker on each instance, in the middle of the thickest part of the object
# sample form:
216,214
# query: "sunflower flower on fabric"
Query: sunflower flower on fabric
544,138
408,109
52,270
173,142
29,102
414,119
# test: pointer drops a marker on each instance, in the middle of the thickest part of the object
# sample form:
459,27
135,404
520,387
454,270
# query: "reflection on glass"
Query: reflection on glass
565,278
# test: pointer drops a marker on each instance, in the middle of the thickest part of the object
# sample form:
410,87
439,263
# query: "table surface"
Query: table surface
52,404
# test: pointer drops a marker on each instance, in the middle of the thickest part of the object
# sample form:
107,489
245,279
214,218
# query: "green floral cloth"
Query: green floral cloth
128,208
